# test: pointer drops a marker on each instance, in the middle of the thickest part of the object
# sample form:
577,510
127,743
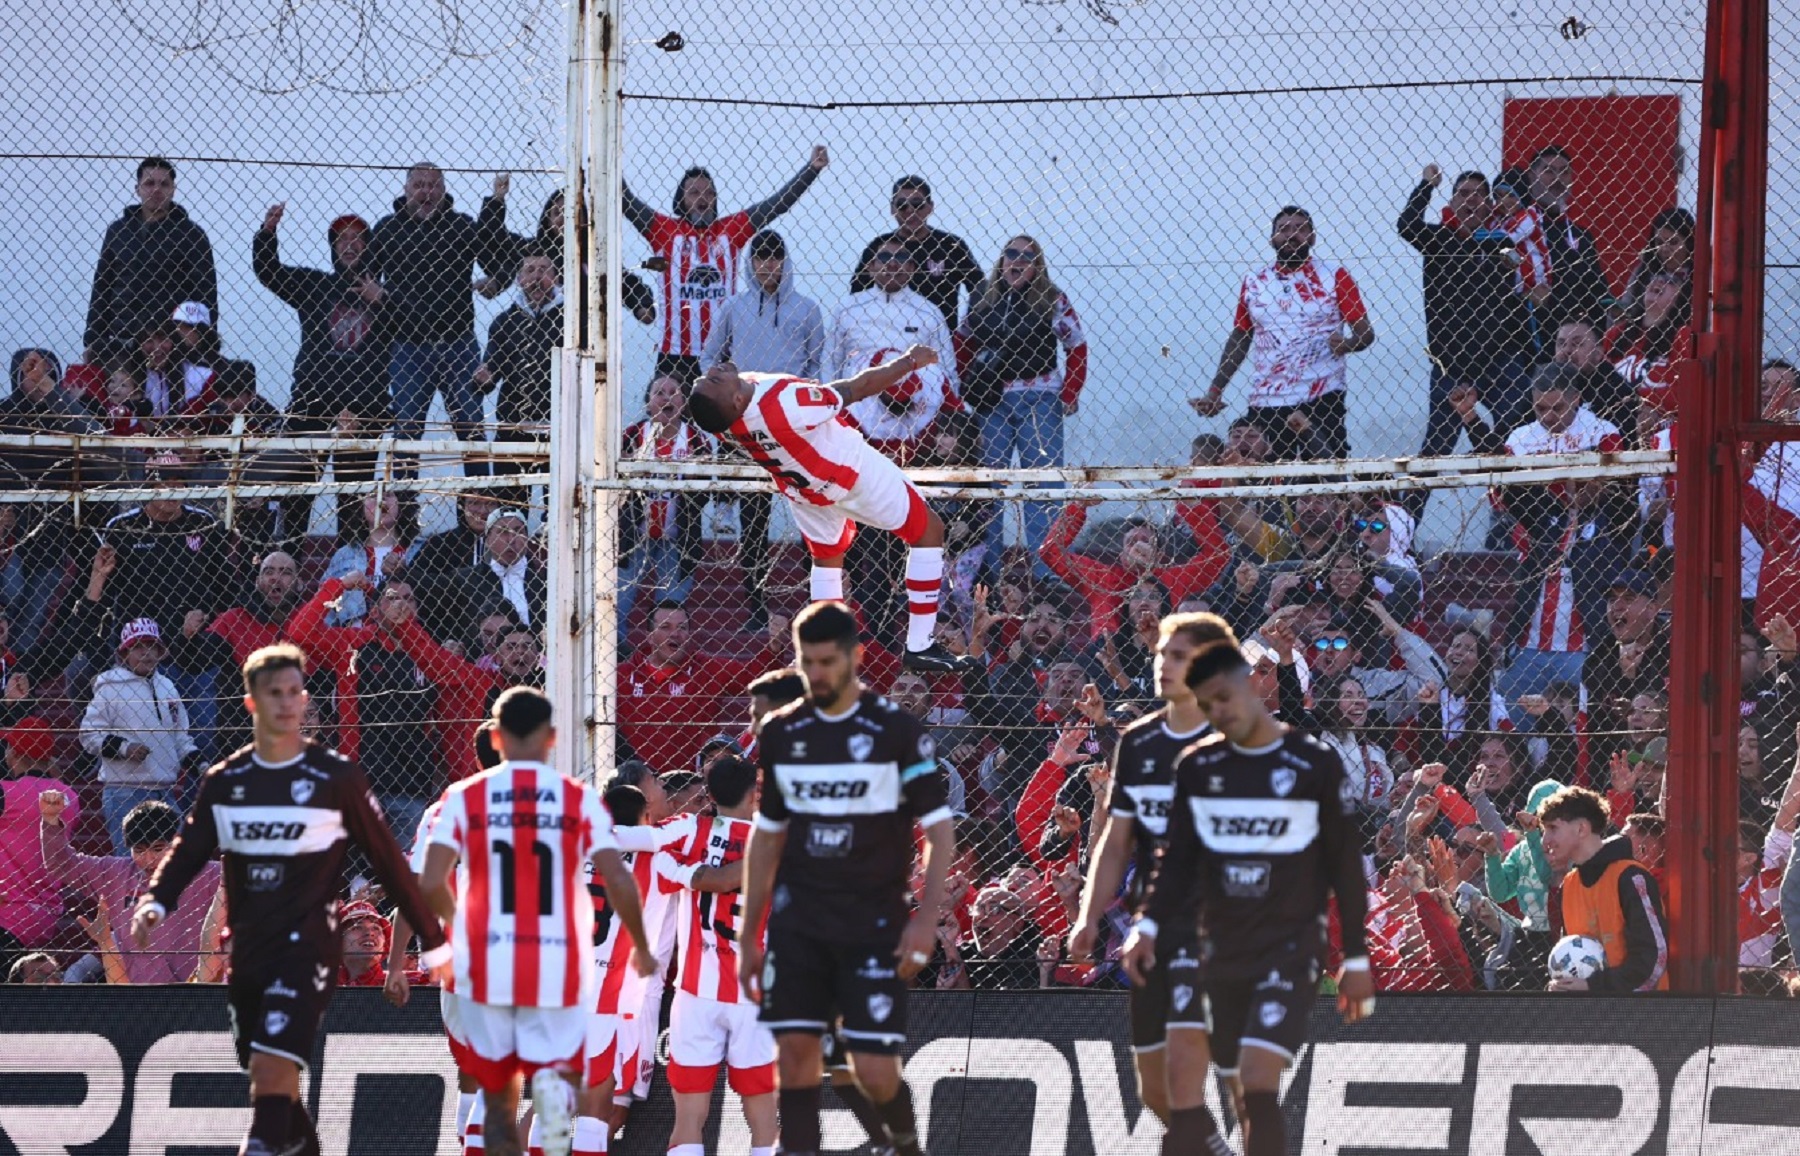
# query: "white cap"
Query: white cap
192,313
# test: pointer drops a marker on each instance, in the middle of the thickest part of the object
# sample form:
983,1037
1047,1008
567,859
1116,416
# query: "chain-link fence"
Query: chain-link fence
1297,301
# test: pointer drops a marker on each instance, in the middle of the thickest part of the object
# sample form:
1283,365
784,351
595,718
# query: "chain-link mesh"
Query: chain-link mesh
1489,258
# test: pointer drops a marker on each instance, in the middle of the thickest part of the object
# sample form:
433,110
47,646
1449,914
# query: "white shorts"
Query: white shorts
494,1043
882,498
612,1048
703,1033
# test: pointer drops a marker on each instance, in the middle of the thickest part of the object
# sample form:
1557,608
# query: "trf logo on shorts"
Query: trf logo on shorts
1282,780
861,746
1271,1014
301,790
275,1022
1181,995
881,1007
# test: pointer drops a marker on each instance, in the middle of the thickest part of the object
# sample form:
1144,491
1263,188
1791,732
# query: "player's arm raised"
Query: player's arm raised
880,378
622,896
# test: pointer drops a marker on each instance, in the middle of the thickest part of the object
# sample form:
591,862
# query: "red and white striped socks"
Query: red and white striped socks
924,580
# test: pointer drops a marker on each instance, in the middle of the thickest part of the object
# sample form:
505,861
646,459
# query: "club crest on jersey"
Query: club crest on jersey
861,746
1282,780
275,1023
1215,784
301,790
881,1007
1181,995
1270,1014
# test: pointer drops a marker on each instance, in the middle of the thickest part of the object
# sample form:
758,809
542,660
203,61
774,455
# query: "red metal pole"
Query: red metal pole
1719,399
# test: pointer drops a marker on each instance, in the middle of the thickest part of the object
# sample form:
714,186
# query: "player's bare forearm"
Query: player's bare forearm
880,378
940,849
622,895
1237,348
403,933
760,859
1107,872
718,877
434,881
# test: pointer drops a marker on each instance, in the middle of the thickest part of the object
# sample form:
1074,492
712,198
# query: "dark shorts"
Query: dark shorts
1171,997
1270,1009
1327,423
809,983
277,1009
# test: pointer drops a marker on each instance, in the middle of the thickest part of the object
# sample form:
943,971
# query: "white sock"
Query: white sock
534,1140
590,1136
465,1104
769,1151
474,1138
924,580
688,1150
827,583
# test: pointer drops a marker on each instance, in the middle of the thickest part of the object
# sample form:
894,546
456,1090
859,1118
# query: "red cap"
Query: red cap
362,909
30,738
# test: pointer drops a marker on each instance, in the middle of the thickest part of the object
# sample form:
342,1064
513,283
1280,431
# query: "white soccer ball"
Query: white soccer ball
1577,957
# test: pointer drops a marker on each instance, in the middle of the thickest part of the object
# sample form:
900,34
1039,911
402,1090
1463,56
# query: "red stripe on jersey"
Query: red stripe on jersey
527,903
573,836
794,442
475,911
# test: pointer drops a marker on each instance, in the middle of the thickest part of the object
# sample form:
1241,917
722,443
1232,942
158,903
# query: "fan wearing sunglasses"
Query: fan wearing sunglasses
946,265
1335,651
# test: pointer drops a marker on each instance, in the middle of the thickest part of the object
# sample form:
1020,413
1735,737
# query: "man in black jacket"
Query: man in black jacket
1474,322
341,369
945,266
509,576
425,254
460,547
1578,286
521,343
153,258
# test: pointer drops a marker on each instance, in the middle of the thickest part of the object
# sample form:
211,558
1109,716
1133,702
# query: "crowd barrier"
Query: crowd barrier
150,1072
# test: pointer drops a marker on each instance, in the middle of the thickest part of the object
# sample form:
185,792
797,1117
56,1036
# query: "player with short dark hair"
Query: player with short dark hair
518,837
1142,787
1261,835
283,811
845,775
834,480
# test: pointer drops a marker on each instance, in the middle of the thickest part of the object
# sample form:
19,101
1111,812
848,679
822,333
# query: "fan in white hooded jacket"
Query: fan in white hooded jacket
131,710
874,326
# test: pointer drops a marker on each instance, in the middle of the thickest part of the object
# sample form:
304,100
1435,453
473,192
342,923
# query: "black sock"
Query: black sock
897,1114
799,1108
862,1109
1266,1130
303,1128
1193,1132
272,1121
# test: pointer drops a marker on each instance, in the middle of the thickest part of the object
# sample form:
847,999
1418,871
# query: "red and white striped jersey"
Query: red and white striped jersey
524,928
798,431
1292,316
1555,624
702,271
709,921
1525,229
621,988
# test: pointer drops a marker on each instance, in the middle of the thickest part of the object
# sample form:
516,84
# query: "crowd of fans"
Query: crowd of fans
120,631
